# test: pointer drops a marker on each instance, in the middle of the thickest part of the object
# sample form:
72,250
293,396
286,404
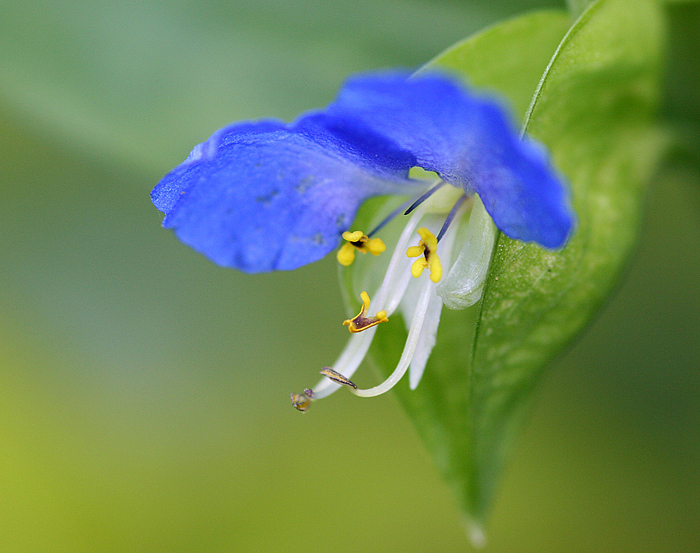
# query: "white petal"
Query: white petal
465,282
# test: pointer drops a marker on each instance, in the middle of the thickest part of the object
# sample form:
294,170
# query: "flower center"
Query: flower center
420,300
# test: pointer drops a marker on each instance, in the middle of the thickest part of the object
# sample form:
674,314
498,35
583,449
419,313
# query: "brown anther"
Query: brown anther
360,322
337,377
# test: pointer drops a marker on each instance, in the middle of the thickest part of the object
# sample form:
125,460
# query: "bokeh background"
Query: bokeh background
144,391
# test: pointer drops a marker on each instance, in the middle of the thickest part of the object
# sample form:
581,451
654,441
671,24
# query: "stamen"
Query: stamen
390,217
428,247
391,291
451,216
335,376
424,311
408,350
423,328
425,196
360,322
358,241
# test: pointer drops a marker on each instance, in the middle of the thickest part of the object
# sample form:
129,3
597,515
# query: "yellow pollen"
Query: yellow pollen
360,322
428,248
358,241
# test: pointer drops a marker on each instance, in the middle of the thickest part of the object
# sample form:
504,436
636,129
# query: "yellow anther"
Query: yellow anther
346,254
360,322
358,241
335,376
418,267
375,246
302,402
354,236
428,247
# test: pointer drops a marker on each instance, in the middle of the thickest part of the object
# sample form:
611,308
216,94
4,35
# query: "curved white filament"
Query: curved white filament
421,336
391,291
350,359
410,347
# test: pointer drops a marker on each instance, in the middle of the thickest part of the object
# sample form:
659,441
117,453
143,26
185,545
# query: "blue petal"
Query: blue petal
269,196
470,142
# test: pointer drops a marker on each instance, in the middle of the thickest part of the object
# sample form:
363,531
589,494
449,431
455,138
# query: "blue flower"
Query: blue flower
264,196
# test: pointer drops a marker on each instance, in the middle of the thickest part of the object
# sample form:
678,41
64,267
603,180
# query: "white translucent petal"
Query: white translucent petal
464,283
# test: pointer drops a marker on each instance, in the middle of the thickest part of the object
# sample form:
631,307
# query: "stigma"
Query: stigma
302,402
443,216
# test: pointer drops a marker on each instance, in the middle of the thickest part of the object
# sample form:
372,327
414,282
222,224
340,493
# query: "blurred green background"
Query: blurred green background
144,391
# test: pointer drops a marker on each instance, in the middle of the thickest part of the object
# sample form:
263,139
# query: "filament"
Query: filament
425,196
451,216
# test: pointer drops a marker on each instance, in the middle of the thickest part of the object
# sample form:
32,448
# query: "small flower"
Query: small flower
264,196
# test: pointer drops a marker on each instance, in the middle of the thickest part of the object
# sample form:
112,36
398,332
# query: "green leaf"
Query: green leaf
593,93
595,109
576,7
681,100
